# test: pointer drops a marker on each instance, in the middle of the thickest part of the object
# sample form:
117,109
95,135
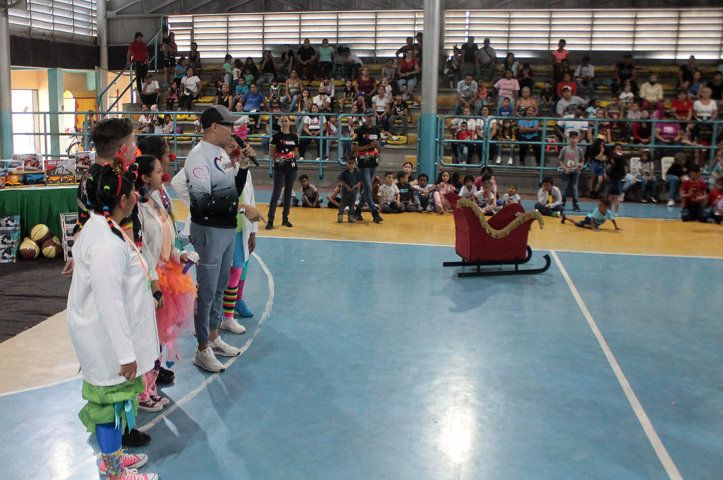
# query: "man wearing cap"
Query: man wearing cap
569,102
366,148
215,182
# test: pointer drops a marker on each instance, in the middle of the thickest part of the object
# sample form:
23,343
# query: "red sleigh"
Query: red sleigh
498,241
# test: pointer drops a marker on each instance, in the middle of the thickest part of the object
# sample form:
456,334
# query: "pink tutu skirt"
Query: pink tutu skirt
176,314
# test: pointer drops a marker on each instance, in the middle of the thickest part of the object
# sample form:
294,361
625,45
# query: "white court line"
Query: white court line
645,422
211,378
439,245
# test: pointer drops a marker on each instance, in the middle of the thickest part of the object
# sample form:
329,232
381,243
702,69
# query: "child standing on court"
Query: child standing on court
350,181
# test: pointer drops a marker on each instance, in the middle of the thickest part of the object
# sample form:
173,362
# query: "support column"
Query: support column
101,73
427,153
56,89
6,99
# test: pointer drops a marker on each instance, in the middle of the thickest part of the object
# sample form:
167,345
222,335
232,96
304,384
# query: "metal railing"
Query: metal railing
550,126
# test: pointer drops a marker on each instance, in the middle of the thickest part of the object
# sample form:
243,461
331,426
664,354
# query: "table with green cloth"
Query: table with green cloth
39,205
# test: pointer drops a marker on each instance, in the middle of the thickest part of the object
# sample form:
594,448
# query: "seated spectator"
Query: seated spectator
642,170
333,200
325,59
511,64
323,101
366,85
274,95
180,69
634,112
409,70
407,197
525,101
348,62
585,78
597,217
225,97
716,171
486,174
525,77
390,71
651,92
685,73
350,94
715,201
624,71
668,133
312,125
384,89
547,100
568,103
249,71
305,101
529,130
241,89
399,116
145,121
267,72
441,188
481,98
511,196
389,195
626,97
408,97
468,190
487,200
566,82
705,108
292,89
507,87
327,85
506,136
172,95
254,100
149,90
549,199
194,57
716,86
505,108
682,106
310,197
577,123
306,60
466,94
618,129
614,108
673,176
461,150
643,130
380,105
693,197
191,87
424,193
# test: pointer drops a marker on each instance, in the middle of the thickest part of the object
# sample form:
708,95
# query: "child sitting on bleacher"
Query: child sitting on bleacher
506,132
597,217
642,170
172,95
461,149
626,96
350,94
310,197
241,89
547,99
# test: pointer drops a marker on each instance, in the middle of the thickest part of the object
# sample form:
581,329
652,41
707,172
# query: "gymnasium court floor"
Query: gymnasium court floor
367,360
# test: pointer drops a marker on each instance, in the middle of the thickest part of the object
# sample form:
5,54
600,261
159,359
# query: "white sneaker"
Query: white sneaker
509,161
206,360
499,160
224,349
232,326
132,474
671,203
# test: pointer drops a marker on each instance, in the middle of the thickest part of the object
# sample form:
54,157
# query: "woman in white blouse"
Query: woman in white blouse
191,87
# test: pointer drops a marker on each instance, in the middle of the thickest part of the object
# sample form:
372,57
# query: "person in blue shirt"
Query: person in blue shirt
597,217
529,130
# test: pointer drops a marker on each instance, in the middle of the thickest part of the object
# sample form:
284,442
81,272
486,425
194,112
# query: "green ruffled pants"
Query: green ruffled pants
101,406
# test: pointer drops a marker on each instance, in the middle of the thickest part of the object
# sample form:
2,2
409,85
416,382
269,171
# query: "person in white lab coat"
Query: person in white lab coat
111,319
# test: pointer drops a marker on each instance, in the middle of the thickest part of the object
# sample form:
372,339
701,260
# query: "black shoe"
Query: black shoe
165,377
269,225
286,223
562,220
575,208
135,438
358,216
378,219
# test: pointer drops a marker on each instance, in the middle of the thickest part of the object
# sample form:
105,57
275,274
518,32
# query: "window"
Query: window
70,18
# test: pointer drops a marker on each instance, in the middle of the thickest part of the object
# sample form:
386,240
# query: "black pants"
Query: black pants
304,144
185,102
285,180
149,99
141,69
535,149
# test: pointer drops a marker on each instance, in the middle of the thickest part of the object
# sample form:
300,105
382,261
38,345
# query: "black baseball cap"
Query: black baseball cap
216,114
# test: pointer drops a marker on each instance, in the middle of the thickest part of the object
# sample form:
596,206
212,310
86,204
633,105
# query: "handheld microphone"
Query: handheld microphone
242,146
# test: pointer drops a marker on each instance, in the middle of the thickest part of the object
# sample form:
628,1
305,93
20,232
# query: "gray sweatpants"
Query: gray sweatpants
215,249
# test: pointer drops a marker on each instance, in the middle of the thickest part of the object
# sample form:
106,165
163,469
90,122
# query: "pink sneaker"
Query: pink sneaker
130,460
132,474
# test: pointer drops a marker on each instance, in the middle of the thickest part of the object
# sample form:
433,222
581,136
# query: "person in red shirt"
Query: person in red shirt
408,72
566,82
138,54
715,200
682,107
693,196
643,131
462,149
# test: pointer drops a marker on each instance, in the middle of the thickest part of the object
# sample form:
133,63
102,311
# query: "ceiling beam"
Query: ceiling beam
161,6
237,5
198,5
123,8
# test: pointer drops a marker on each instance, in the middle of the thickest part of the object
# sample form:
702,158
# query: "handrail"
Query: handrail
594,123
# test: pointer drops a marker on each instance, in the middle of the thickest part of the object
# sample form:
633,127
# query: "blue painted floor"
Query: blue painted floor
377,363
627,209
